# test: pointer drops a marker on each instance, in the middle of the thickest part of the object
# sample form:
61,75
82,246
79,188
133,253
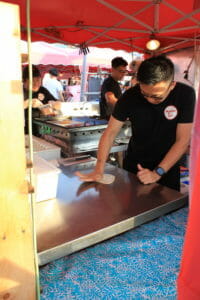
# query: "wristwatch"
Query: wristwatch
160,171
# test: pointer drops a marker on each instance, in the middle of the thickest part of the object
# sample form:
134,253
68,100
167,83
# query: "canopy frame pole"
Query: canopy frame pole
125,14
117,40
179,20
185,16
120,22
156,17
179,29
51,37
127,39
181,38
171,46
83,78
93,27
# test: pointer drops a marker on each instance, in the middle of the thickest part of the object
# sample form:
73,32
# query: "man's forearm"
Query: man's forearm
105,145
180,146
176,151
147,176
111,99
26,104
61,96
173,155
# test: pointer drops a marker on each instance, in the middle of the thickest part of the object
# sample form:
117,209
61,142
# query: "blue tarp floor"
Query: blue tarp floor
142,263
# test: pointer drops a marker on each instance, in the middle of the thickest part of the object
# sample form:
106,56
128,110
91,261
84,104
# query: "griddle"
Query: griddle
80,134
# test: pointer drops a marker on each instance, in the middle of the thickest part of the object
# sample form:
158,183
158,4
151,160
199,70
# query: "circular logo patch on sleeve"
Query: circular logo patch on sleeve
170,112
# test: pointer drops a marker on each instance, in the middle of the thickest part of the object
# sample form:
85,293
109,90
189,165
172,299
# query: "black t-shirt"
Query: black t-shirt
35,111
109,85
154,125
42,90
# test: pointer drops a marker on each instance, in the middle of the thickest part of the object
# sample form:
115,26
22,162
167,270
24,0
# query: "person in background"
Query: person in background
110,90
161,114
40,95
64,84
68,96
133,80
53,85
131,83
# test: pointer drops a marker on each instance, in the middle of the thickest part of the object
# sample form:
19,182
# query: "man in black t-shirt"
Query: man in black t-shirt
161,113
110,90
40,95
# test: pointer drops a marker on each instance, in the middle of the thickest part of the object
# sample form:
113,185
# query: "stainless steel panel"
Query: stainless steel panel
42,148
80,139
86,213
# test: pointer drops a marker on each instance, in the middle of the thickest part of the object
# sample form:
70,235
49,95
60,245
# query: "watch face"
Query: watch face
160,171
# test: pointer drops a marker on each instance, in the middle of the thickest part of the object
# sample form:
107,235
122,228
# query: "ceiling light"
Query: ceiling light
153,44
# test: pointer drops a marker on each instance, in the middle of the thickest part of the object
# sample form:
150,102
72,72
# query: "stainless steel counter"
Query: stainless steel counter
87,213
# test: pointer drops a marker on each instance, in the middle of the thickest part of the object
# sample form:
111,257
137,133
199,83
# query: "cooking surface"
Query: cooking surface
73,121
67,123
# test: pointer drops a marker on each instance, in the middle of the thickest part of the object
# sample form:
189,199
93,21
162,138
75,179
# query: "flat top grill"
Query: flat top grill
80,134
75,122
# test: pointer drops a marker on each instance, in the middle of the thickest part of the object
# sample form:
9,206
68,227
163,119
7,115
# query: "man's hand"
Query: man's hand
93,176
55,104
147,176
36,103
46,111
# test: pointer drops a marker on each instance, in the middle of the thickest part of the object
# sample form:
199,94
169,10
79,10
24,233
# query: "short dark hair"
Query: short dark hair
155,69
118,61
35,72
53,71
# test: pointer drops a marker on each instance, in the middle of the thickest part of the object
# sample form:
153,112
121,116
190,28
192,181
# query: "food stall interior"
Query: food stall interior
71,215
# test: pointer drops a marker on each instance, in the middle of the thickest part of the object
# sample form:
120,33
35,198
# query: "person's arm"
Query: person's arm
35,103
25,103
61,97
105,144
110,99
183,134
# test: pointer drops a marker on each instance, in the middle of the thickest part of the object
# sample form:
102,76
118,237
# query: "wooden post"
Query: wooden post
17,275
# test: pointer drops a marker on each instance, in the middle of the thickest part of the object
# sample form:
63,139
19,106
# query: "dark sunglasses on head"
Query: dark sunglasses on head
152,96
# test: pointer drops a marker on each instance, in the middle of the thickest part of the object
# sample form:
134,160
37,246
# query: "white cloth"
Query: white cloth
53,86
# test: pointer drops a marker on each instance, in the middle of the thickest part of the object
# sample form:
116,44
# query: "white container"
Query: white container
46,178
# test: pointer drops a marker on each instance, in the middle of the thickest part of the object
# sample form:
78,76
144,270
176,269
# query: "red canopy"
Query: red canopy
46,53
117,24
69,70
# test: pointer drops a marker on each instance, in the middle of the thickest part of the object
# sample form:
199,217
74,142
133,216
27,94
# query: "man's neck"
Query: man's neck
113,77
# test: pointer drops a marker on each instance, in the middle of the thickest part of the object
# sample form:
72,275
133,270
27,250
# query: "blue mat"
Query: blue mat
142,263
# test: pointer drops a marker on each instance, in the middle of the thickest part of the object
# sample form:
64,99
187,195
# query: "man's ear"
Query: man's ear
173,84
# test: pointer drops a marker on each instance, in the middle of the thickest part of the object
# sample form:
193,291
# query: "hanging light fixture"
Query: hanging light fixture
153,44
